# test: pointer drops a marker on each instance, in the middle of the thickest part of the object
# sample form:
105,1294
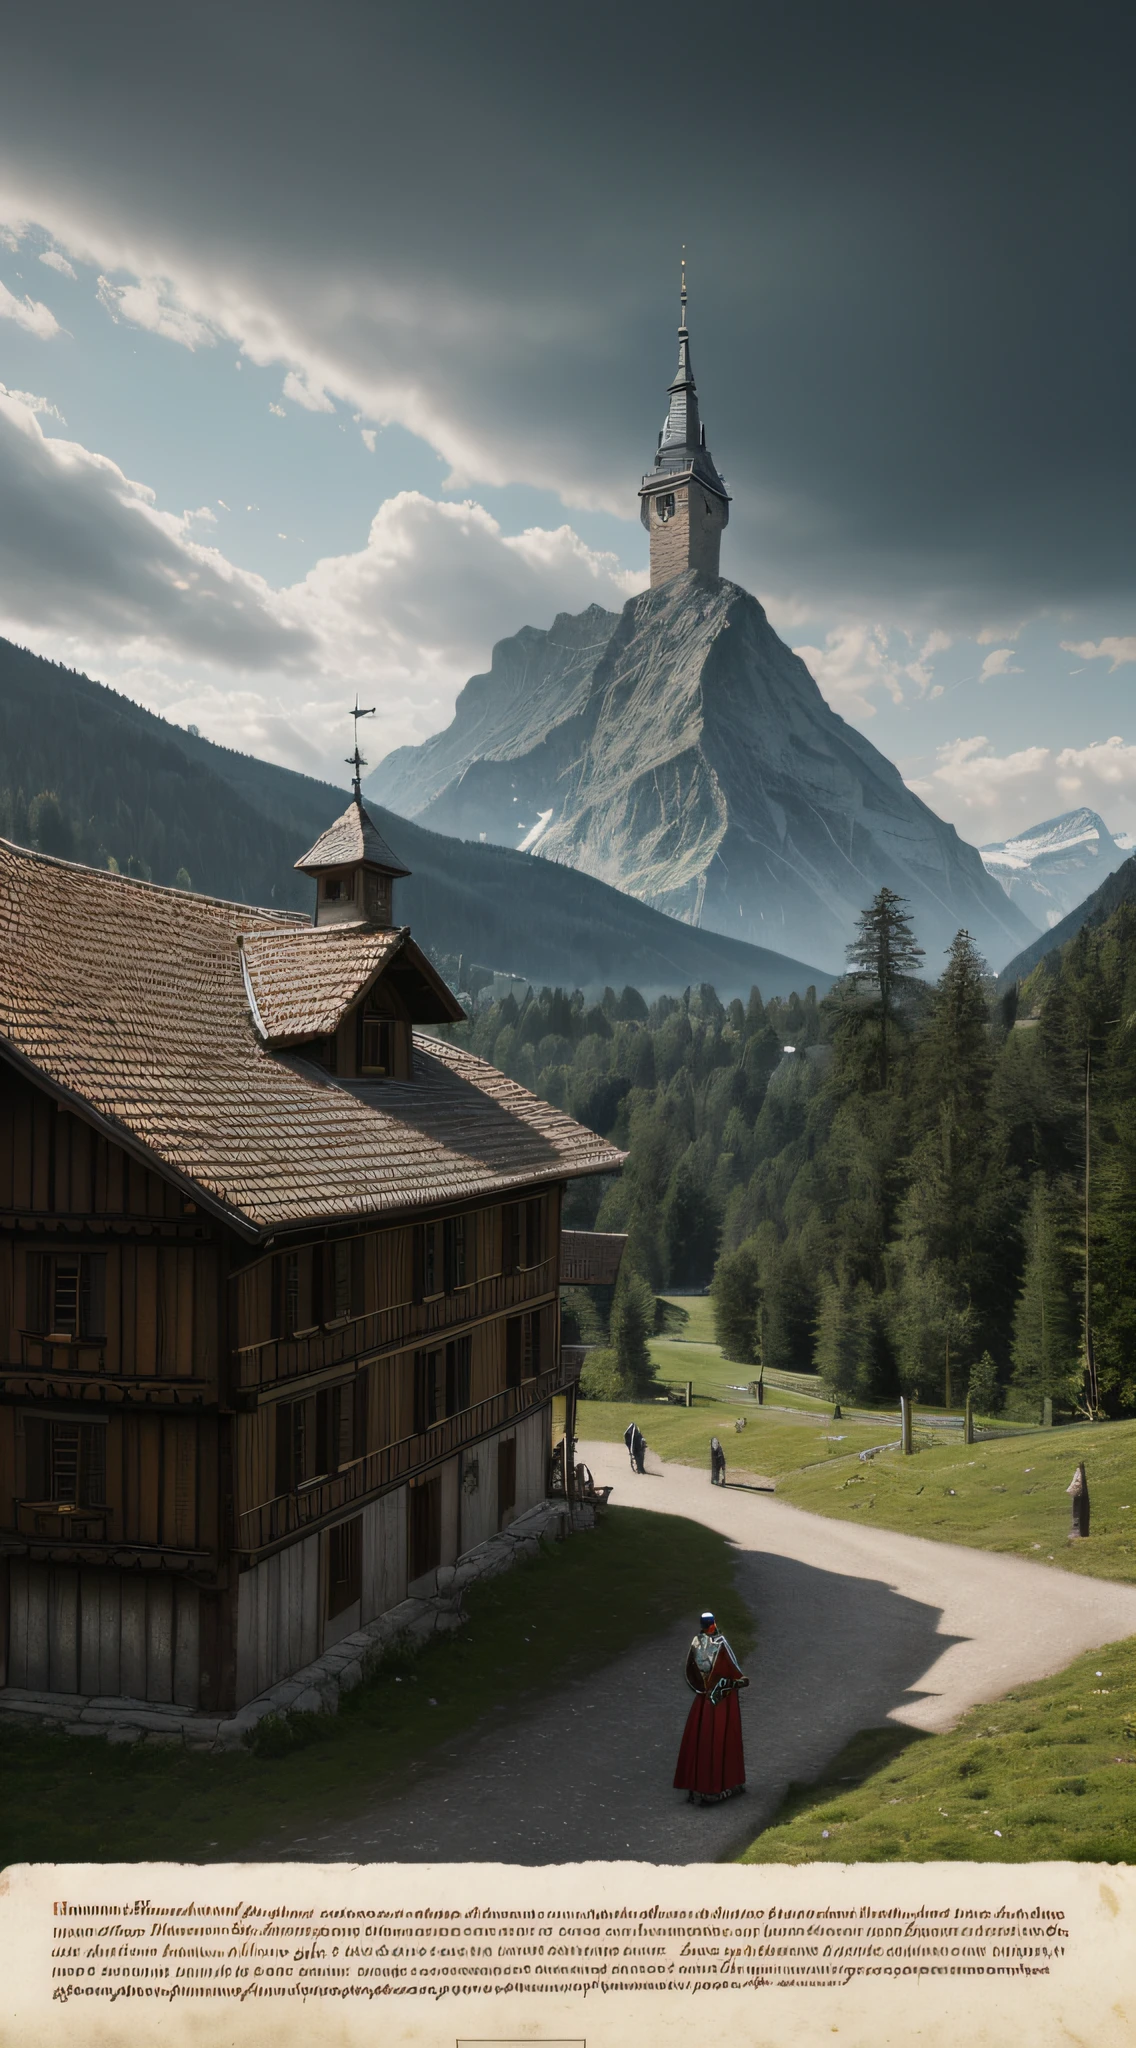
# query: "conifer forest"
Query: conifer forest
912,1184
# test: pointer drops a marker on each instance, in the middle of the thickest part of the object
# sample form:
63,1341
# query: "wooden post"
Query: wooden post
690,1393
905,1424
1047,1412
968,1422
1079,1492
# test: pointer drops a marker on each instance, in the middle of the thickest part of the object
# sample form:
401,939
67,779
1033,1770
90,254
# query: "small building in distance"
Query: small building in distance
279,1277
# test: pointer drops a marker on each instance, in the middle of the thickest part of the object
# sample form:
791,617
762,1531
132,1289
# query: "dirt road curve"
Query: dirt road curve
855,1625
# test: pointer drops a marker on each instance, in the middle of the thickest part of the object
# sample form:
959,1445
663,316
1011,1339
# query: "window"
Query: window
429,1389
427,1263
376,1051
522,1348
340,1290
506,1477
454,1253
459,1374
512,1238
514,1350
337,888
424,1530
66,1462
522,1225
344,1566
665,506
319,1435
288,1281
67,1294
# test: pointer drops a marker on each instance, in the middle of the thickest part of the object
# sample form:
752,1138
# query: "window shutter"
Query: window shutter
284,1432
92,1295
36,1473
37,1308
360,1393
92,1464
358,1301
514,1347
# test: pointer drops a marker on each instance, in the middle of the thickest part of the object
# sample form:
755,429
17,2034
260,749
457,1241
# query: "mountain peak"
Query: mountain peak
679,750
1050,868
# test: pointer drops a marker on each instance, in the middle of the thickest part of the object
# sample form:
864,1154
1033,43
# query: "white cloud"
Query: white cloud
853,662
936,642
368,438
991,796
56,260
28,313
302,390
34,404
999,663
1116,651
153,304
85,554
989,634
279,410
9,239
94,573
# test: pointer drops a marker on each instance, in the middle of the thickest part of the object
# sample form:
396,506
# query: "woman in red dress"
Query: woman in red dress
711,1764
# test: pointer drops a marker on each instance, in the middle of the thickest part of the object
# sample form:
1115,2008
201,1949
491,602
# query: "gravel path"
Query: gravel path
855,1626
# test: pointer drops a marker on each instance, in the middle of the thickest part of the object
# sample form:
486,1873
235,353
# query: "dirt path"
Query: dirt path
855,1626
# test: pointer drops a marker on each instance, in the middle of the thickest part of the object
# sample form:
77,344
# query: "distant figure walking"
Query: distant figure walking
636,1443
717,1463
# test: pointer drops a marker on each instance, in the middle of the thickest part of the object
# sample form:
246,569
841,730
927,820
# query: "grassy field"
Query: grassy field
1007,1496
1048,1772
771,1443
74,1799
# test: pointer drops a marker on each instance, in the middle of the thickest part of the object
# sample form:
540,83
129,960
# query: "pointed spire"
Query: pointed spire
682,443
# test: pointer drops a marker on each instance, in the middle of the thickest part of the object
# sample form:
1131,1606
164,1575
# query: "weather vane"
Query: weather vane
356,759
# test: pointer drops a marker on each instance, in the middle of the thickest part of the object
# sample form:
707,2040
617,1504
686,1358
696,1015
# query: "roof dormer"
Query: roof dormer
354,871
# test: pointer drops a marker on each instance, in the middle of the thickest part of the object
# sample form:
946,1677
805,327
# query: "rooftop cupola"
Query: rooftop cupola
353,867
683,501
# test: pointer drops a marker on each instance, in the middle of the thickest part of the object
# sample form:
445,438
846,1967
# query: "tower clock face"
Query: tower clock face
666,505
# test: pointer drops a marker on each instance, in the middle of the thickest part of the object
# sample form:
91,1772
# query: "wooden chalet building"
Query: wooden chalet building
279,1331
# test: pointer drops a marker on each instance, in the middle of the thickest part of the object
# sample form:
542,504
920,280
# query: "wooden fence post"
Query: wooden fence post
905,1424
1079,1491
968,1424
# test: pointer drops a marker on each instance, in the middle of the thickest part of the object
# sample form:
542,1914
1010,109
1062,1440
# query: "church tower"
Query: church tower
683,502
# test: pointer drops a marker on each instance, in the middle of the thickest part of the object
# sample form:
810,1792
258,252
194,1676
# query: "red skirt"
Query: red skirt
711,1760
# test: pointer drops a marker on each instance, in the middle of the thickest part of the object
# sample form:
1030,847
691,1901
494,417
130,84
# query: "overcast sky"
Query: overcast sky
334,341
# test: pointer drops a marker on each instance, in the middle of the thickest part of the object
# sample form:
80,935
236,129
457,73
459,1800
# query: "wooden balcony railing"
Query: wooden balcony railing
61,1520
61,1354
390,1329
275,1520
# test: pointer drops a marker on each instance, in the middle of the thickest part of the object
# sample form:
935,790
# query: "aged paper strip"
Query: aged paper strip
612,1955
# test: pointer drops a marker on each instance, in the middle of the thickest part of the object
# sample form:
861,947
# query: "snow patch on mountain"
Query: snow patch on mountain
1051,868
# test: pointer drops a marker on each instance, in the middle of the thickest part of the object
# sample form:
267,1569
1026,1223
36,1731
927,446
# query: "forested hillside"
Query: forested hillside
91,776
888,1187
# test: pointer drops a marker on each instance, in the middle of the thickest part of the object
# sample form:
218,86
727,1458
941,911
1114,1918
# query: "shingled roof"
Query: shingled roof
130,1002
302,980
353,838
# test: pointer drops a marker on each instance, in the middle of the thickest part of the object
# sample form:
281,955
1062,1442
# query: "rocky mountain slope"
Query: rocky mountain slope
163,802
1117,888
1051,868
683,753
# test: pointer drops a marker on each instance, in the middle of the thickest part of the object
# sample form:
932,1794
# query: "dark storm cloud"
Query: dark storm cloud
910,232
